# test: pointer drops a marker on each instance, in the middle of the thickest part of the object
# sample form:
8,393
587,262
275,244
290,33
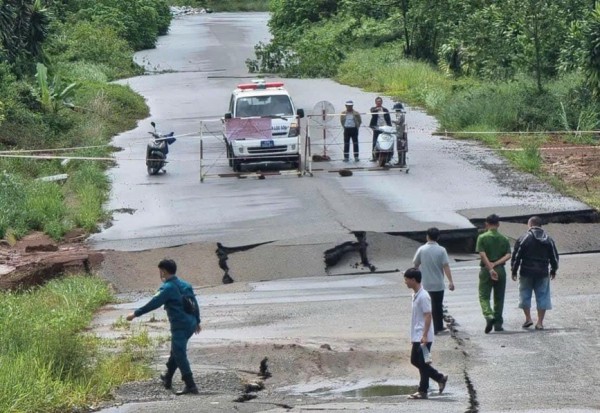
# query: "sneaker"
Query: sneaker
442,383
420,395
489,324
346,160
498,328
356,160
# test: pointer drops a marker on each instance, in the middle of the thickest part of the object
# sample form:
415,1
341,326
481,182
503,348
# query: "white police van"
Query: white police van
262,126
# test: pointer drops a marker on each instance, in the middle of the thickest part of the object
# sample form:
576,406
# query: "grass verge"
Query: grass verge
48,363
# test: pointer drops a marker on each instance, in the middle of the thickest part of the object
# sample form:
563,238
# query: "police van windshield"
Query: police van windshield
274,105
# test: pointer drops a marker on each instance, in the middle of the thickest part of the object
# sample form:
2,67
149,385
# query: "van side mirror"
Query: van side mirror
228,115
300,113
153,125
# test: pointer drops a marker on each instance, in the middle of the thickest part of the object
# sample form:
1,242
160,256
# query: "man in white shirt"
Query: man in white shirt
421,335
350,120
432,259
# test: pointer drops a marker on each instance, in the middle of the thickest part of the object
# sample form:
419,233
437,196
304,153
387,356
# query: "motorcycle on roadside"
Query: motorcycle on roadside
157,150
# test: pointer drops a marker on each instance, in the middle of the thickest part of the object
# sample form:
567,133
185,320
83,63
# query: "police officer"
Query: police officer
401,136
184,321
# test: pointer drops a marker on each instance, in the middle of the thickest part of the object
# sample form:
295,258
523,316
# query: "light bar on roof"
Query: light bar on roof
261,85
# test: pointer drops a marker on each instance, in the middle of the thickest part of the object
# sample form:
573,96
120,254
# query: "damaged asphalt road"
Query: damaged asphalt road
336,336
327,337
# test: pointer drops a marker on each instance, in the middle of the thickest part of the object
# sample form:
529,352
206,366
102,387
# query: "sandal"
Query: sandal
527,324
418,396
539,327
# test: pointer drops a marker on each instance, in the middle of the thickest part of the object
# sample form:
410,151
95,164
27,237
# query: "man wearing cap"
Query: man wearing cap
350,120
380,116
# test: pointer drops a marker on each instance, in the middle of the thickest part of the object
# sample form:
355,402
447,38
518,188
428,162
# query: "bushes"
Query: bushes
465,104
139,22
92,43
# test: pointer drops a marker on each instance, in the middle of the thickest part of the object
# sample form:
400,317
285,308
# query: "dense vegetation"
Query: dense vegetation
537,57
57,58
48,365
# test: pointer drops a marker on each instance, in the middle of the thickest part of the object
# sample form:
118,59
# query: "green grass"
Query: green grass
48,364
528,159
386,71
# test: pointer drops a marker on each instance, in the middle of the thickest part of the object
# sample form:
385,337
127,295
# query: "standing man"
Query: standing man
184,317
380,116
494,251
432,259
534,252
350,120
421,335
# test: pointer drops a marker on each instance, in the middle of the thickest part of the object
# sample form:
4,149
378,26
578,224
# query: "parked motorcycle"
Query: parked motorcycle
384,147
157,150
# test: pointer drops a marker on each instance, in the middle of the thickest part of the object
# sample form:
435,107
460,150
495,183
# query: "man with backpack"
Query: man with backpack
536,256
184,317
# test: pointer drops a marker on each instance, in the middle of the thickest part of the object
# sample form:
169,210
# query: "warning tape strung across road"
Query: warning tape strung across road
53,150
16,153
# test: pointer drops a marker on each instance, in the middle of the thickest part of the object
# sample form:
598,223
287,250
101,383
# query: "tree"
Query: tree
24,28
592,53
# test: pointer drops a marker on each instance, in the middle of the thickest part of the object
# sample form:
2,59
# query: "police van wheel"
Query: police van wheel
236,165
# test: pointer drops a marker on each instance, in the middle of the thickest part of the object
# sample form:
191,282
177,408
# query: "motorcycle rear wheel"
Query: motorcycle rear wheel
382,160
154,165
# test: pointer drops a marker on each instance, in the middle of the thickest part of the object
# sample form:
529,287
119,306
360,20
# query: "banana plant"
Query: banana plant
52,95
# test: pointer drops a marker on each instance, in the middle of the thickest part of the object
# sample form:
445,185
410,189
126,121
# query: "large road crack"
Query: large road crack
473,402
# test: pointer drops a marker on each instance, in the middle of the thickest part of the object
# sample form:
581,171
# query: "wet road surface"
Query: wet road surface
197,65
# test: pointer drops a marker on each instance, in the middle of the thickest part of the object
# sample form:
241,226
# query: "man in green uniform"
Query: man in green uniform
184,317
494,250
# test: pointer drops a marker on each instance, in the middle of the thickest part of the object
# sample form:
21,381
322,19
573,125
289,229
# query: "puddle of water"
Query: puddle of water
381,390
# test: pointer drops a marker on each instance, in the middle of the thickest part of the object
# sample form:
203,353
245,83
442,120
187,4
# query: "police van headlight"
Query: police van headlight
294,130
293,147
241,149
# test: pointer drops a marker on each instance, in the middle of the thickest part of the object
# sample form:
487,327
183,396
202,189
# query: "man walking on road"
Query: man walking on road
534,252
494,251
432,259
184,317
350,120
421,335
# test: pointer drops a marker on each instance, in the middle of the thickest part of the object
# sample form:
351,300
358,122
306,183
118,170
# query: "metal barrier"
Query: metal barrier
326,148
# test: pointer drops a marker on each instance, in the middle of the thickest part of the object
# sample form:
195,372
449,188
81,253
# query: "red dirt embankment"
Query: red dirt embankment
36,258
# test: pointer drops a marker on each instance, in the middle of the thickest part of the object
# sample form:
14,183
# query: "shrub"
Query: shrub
139,22
93,43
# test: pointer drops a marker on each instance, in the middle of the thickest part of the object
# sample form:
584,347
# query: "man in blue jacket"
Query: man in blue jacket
184,317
